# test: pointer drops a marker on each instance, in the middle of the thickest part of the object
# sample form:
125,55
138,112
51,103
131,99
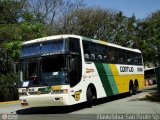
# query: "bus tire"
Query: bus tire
89,97
130,91
131,88
135,88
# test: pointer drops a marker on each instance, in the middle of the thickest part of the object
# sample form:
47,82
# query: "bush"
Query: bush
8,87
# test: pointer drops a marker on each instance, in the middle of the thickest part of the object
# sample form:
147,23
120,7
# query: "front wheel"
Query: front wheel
89,97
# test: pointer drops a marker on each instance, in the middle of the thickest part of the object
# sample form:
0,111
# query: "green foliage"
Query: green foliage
13,48
150,35
9,32
10,10
32,30
8,86
89,22
28,17
22,20
99,24
116,28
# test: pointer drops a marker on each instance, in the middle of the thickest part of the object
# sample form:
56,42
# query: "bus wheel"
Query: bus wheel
135,89
131,89
89,97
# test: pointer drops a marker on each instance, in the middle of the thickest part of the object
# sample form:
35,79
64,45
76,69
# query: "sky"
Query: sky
140,8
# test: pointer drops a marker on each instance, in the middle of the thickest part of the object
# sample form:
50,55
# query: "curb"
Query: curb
152,97
9,102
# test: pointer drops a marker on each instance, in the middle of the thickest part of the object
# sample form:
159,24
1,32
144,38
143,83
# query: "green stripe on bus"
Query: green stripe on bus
104,79
111,78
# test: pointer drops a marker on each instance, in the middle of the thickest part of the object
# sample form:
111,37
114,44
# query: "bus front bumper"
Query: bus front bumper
45,100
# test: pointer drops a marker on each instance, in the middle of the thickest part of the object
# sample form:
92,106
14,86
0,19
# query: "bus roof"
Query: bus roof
49,38
111,44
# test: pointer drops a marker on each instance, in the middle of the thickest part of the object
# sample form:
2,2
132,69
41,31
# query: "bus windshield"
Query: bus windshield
54,70
44,47
49,70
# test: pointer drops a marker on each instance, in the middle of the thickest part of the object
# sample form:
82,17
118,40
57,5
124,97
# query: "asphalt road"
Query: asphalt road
115,105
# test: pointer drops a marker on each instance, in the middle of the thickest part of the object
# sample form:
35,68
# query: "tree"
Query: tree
149,37
9,54
89,22
10,10
47,11
99,24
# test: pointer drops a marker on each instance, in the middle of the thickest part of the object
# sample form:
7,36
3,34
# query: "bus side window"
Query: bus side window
86,56
100,57
124,57
135,61
111,55
129,61
139,59
86,50
101,51
120,60
93,51
93,56
74,45
116,55
105,57
120,57
112,59
75,62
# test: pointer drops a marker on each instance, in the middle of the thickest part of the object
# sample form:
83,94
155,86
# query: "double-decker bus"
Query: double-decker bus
65,70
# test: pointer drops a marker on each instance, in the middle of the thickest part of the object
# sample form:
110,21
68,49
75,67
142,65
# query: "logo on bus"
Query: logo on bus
77,95
126,69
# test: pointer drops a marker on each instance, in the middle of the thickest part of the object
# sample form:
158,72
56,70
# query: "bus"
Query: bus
150,76
64,70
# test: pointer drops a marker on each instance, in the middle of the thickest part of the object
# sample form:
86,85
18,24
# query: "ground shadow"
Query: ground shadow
52,110
69,109
111,98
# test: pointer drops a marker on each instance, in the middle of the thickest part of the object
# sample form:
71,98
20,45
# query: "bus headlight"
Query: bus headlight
23,102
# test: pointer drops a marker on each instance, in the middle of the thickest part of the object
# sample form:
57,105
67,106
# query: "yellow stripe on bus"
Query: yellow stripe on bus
102,42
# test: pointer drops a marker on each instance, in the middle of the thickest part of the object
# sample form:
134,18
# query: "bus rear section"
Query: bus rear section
150,76
112,69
